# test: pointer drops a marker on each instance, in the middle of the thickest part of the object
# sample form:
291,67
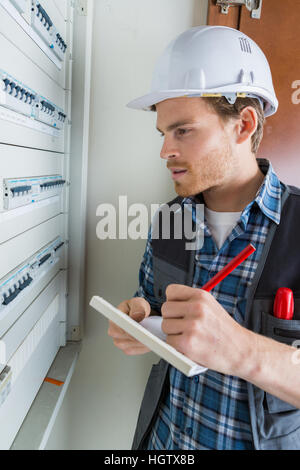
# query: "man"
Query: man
212,89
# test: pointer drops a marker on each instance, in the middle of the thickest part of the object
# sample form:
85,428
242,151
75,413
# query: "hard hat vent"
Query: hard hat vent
245,45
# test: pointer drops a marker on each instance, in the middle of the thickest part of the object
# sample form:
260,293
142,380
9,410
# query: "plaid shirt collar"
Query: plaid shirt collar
268,196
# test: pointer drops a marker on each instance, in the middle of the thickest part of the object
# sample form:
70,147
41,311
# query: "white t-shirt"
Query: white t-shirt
221,224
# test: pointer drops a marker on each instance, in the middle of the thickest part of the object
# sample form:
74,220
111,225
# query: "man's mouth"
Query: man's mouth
177,173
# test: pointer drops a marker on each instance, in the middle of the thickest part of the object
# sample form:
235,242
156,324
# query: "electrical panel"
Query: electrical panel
36,43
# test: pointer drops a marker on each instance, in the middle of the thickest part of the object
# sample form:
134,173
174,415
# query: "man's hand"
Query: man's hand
199,327
137,308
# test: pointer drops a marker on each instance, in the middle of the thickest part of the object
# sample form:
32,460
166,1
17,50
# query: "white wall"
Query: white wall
102,403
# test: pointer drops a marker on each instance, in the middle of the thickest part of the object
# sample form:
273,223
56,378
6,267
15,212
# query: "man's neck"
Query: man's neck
235,196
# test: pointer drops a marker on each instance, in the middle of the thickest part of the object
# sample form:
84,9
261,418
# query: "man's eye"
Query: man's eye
178,131
182,131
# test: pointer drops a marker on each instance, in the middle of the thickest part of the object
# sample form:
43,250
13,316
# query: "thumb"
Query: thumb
139,308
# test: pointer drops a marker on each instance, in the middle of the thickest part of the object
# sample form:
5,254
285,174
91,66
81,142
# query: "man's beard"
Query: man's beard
215,167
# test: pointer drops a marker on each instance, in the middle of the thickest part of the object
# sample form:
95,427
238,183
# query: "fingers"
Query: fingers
183,301
174,309
130,346
179,292
124,341
124,306
172,326
139,308
115,331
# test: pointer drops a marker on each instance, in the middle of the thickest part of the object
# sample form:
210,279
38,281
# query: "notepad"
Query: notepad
149,338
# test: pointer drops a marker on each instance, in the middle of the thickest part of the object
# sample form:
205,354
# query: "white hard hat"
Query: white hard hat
211,61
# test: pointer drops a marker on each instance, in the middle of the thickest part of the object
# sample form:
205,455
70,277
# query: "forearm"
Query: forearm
273,367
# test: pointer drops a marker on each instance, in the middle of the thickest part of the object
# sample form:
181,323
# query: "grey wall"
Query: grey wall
101,406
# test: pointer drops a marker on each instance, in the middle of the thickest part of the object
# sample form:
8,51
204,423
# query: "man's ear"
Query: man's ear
246,125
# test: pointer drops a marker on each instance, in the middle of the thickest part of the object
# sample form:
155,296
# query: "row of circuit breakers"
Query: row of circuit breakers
18,96
22,99
17,282
23,191
43,25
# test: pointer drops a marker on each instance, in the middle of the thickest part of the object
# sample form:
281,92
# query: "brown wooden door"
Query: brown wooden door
277,32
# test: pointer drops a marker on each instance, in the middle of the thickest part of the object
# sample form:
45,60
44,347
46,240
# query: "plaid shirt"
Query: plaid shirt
210,410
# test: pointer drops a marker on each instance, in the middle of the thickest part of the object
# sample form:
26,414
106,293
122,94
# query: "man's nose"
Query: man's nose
169,149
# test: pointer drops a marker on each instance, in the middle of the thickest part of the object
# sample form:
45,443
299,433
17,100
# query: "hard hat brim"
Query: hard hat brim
146,101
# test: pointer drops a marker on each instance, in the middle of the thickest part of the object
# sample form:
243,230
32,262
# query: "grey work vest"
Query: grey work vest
275,424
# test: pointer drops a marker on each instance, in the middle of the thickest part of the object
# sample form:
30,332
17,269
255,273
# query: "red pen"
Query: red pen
284,304
236,261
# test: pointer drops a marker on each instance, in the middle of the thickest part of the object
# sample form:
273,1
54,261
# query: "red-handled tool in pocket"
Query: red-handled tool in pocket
284,304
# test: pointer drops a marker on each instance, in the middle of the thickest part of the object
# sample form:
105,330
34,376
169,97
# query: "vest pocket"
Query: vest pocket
287,333
284,331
